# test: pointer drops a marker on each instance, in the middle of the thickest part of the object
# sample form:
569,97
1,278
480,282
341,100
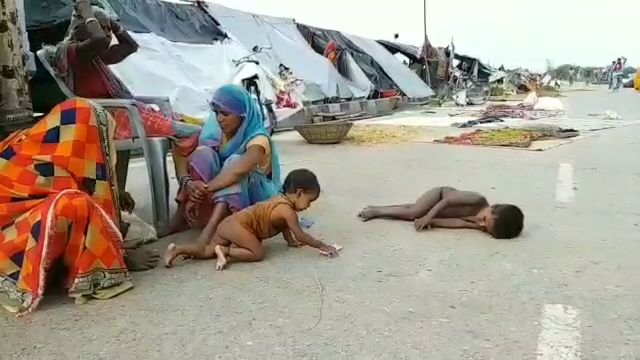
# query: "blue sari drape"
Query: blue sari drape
213,155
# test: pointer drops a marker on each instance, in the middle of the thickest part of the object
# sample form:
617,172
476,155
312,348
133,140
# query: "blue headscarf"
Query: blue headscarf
235,100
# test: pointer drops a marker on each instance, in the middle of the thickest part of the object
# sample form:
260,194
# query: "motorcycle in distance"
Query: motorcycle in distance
247,74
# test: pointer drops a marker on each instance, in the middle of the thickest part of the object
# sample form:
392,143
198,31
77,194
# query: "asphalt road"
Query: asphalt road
567,289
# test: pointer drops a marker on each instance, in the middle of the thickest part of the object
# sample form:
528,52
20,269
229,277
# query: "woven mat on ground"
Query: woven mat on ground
495,137
519,111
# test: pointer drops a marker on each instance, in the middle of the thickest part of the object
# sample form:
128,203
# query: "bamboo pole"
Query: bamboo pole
14,92
427,78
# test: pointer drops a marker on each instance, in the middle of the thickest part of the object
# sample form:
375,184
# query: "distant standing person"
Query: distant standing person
572,75
617,72
587,77
610,74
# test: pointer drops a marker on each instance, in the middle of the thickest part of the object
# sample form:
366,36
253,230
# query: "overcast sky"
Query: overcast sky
511,32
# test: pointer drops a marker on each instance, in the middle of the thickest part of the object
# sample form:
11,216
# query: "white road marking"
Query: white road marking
560,334
564,186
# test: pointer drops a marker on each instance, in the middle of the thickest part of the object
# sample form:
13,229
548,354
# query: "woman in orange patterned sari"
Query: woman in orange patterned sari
58,204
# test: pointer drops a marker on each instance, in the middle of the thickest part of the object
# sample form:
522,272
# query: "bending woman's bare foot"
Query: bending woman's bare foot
222,258
170,255
141,259
368,213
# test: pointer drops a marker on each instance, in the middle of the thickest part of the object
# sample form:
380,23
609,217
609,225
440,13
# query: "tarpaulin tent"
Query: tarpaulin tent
41,14
382,69
187,73
183,53
320,38
174,21
408,82
410,51
289,48
416,58
474,66
358,82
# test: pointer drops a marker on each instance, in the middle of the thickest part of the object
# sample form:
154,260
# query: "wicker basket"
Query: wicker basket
324,133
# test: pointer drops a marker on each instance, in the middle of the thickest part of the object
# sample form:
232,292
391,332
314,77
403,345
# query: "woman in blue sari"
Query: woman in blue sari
234,166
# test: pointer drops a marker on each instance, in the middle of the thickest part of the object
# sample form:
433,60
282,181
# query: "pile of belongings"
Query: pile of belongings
519,111
523,80
531,108
611,115
502,90
472,123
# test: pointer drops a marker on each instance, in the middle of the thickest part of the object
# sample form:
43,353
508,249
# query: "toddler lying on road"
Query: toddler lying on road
446,207
239,237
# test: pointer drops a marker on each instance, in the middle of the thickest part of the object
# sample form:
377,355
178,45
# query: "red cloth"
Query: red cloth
86,83
285,100
155,125
331,52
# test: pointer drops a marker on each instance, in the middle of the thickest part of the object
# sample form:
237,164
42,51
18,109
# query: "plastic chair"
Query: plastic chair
155,149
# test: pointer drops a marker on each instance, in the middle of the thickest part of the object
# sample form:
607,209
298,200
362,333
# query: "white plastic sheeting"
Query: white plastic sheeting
31,62
406,79
357,80
360,83
186,73
288,47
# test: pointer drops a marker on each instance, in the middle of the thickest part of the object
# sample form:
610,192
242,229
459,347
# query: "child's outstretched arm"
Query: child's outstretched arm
457,198
291,241
293,224
454,223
